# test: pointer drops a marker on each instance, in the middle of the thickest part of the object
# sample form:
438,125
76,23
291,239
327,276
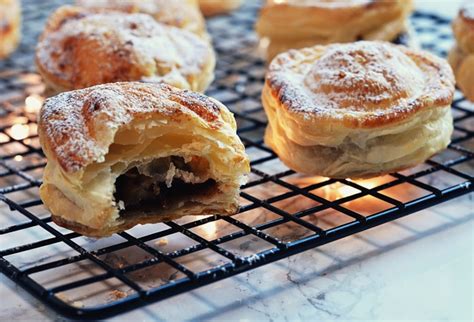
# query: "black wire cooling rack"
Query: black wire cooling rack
282,212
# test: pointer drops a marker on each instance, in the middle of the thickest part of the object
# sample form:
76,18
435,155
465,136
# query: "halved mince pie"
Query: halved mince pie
132,153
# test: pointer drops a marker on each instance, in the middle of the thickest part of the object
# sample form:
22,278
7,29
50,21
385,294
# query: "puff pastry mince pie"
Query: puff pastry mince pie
292,24
131,153
461,57
10,28
357,110
83,47
184,14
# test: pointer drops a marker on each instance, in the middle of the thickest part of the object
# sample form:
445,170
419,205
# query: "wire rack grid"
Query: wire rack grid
282,213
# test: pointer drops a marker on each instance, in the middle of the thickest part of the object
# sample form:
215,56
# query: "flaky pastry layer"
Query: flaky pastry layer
93,137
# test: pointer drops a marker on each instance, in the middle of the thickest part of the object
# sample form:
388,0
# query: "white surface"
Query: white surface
447,8
418,268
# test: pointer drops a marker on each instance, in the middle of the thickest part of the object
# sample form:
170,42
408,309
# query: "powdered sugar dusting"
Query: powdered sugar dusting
79,126
85,48
359,81
366,77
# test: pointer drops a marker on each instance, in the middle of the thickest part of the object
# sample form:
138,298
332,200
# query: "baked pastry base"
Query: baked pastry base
131,220
386,149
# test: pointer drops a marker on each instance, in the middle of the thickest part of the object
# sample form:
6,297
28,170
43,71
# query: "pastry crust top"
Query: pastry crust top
184,14
83,47
77,127
359,85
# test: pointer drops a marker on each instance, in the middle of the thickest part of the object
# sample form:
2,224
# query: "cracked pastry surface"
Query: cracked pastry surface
293,24
215,7
10,29
184,14
124,154
83,47
357,110
461,56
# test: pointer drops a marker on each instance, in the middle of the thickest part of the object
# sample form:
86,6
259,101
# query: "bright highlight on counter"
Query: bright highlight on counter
33,103
19,131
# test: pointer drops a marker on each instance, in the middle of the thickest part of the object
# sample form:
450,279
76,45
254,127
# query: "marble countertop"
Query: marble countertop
420,267
417,268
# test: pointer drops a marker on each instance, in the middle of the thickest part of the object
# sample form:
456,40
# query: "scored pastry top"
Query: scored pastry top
363,84
77,127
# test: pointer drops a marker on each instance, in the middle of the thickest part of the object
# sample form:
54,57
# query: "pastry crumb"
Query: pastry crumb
162,242
78,304
62,297
117,294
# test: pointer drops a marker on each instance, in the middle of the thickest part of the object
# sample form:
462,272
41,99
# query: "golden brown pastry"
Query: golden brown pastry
184,14
82,47
461,57
292,24
357,110
132,153
215,7
10,20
